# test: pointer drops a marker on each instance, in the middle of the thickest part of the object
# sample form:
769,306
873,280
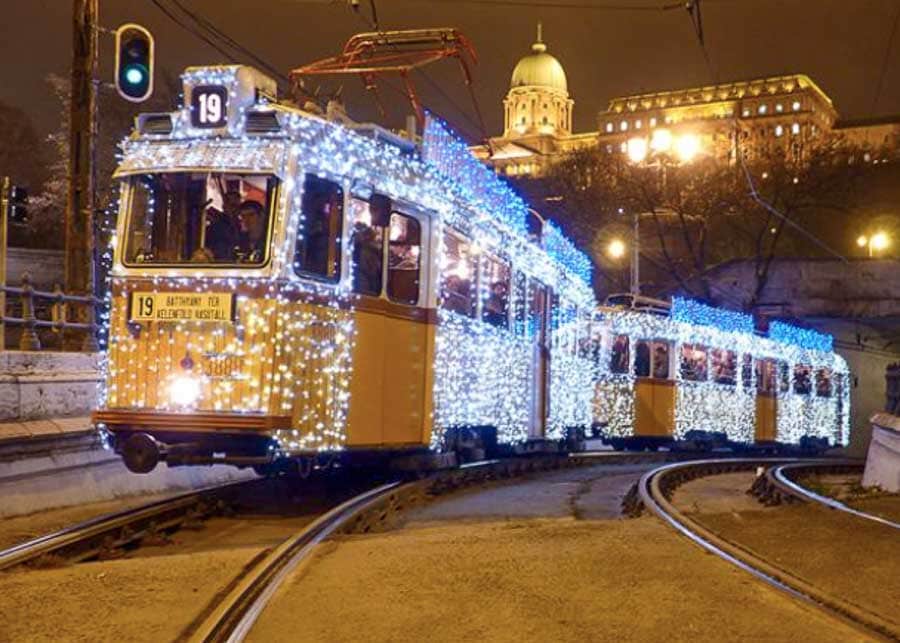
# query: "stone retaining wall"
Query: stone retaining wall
44,385
883,458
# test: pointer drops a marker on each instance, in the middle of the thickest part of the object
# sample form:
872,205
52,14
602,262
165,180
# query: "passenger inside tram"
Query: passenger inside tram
497,305
194,217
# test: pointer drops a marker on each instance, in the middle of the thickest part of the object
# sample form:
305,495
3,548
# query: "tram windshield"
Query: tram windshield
213,218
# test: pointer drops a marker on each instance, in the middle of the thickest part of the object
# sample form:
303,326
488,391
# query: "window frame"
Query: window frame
128,202
386,260
681,362
339,237
483,259
473,287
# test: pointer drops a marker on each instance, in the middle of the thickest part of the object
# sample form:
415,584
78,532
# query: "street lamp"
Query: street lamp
876,242
616,249
639,149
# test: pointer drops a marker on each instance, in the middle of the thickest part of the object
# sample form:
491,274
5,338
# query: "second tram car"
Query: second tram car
702,373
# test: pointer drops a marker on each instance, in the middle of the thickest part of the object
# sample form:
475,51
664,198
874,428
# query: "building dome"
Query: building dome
539,69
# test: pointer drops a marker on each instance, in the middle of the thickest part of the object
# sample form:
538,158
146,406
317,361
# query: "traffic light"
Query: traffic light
13,200
134,62
17,201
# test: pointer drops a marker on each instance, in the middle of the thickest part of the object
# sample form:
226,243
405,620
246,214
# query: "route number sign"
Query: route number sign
209,106
181,307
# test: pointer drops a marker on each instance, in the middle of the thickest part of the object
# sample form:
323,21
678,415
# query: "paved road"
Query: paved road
591,493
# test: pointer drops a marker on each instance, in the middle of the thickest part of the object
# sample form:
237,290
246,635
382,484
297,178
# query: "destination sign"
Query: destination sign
181,307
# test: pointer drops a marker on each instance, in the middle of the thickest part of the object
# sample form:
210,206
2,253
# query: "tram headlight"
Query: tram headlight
184,390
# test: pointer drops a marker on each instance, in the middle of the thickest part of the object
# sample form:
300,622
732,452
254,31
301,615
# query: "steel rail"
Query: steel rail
780,477
235,615
655,498
85,539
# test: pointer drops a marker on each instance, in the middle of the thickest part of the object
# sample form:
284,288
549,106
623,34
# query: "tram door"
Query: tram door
654,390
766,400
539,321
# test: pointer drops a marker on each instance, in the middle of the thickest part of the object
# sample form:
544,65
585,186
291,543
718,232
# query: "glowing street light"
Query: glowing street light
637,149
878,241
687,147
616,249
661,141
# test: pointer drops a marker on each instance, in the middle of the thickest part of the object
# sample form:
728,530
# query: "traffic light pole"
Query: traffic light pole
5,187
79,239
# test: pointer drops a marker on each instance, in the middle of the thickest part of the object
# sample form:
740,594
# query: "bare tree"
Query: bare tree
784,200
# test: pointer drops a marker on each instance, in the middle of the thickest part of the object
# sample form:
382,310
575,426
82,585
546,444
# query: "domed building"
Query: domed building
537,121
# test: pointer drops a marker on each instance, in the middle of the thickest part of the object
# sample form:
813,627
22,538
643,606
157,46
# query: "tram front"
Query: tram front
191,369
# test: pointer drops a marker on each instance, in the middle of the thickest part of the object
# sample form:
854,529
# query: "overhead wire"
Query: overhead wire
886,59
216,32
478,126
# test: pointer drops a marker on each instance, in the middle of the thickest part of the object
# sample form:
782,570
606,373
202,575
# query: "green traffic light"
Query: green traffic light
134,75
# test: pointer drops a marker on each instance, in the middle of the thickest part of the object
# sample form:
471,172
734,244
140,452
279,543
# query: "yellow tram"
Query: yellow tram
296,287
683,371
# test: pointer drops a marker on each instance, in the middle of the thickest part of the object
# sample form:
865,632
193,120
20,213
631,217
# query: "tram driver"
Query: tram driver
252,222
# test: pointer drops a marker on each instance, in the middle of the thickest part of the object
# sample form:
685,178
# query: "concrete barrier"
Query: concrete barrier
883,458
41,385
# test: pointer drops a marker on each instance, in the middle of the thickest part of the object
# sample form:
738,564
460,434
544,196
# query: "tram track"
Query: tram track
100,536
234,615
782,484
655,490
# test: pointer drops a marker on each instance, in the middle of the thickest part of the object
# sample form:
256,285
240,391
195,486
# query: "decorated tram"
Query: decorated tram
682,371
293,288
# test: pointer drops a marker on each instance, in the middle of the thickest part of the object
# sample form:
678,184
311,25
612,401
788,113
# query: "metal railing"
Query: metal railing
892,389
60,304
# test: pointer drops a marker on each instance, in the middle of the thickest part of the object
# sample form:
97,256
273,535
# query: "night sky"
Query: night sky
840,43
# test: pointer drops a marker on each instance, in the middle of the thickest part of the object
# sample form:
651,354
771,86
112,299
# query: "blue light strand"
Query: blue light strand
564,251
693,312
802,337
450,156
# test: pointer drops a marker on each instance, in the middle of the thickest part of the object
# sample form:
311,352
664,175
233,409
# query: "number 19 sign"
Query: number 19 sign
209,106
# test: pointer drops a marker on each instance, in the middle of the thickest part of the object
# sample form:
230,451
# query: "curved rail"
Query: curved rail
88,538
780,478
655,489
235,615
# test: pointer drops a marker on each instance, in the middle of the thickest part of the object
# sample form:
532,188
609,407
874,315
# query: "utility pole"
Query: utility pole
79,239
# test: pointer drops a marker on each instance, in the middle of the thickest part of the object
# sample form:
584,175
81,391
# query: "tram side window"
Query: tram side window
783,377
368,244
651,359
459,276
765,377
823,382
495,309
802,380
618,360
724,365
318,251
693,363
404,258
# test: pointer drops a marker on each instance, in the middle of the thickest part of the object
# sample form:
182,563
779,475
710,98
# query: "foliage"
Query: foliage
115,118
697,216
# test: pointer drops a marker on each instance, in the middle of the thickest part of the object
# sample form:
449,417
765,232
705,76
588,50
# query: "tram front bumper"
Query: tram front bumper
145,438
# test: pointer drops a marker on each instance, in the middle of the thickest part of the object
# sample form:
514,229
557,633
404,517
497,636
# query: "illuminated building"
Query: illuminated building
537,122
747,116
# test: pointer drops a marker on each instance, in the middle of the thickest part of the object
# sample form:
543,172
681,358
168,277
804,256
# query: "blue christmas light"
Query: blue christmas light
564,251
693,312
802,337
450,156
